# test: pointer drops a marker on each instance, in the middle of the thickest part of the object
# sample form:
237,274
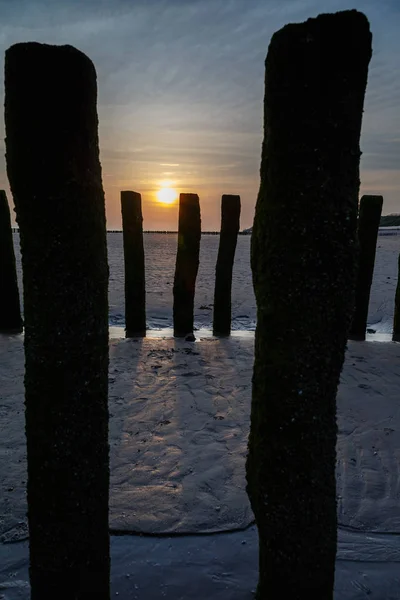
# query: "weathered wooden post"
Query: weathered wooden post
369,217
303,258
396,318
187,264
10,309
135,287
54,171
230,222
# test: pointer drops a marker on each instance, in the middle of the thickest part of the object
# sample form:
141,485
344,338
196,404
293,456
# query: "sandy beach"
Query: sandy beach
160,253
180,521
165,163
179,419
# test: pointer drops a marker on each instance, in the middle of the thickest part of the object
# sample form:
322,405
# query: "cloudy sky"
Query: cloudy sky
181,90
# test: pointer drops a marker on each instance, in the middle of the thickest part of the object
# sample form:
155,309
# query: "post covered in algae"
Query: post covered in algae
53,166
230,222
135,286
369,217
187,264
10,309
303,259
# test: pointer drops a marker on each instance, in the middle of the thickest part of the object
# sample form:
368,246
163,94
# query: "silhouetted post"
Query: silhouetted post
303,258
135,287
230,220
55,176
396,318
10,309
369,217
187,263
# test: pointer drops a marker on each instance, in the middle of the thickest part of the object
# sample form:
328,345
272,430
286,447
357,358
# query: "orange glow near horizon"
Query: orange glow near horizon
166,194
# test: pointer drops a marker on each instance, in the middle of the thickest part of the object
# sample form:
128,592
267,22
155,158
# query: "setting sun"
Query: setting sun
167,195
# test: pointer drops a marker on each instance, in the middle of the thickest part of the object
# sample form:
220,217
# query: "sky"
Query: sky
180,93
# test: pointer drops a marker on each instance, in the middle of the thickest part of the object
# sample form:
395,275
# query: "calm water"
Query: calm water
160,254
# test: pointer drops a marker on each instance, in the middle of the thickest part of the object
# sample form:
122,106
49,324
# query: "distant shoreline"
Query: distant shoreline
16,230
176,233
385,230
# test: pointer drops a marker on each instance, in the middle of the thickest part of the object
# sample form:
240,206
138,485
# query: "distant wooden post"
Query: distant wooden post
10,309
230,222
55,176
135,287
187,264
396,319
369,217
303,257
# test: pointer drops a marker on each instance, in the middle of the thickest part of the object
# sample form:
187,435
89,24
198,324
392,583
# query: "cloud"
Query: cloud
182,82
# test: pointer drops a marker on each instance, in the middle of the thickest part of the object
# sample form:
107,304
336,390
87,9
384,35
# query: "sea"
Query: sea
160,255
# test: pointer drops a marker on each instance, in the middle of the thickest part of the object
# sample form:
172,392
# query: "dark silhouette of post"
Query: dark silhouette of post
369,217
303,259
54,171
135,286
187,264
230,222
396,318
10,309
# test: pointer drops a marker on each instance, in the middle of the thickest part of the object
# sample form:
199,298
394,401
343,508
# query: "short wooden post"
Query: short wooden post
54,171
230,223
369,217
10,309
187,264
135,286
396,318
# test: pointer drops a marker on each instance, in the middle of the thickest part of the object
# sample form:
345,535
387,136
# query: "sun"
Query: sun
167,195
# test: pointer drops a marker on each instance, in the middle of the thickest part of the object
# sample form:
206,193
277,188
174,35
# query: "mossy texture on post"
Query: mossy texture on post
55,176
187,263
396,319
369,217
230,222
135,286
10,309
303,258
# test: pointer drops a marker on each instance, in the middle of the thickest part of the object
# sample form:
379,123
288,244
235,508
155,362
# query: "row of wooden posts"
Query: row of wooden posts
304,267
187,263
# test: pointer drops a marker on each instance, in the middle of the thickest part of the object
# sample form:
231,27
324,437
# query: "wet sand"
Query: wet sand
178,433
160,254
179,419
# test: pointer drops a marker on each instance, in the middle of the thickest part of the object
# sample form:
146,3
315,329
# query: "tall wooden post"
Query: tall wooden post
369,217
54,171
10,309
230,222
187,264
135,286
303,258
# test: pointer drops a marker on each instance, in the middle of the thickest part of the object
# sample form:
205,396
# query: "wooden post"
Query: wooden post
369,217
55,176
135,286
303,258
396,318
230,221
187,264
10,309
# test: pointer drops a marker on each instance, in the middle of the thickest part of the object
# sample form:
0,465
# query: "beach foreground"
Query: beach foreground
179,419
